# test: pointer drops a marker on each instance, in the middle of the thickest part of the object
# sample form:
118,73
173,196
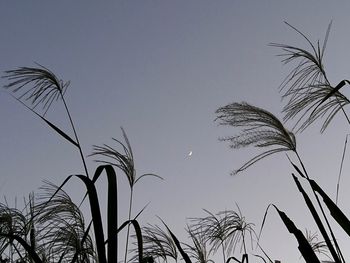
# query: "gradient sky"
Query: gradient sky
160,69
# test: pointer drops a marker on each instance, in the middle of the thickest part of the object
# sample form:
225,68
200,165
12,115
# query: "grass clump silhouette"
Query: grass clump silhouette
224,230
125,162
33,87
52,228
158,244
310,96
307,88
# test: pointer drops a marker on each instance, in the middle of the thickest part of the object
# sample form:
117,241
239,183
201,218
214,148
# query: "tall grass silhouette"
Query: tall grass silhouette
53,228
125,162
310,96
55,219
39,87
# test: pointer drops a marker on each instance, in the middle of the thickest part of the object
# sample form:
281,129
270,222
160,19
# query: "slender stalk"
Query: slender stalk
77,141
76,136
321,208
223,250
341,169
346,140
244,247
128,230
20,255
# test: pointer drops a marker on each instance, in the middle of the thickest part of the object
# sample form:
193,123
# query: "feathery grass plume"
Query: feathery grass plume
307,85
61,225
317,246
260,128
35,86
13,222
225,229
18,241
125,162
157,244
45,89
198,250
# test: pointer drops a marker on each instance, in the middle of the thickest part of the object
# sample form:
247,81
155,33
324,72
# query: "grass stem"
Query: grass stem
76,136
128,229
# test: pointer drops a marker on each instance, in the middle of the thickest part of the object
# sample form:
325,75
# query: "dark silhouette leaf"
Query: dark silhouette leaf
304,246
178,245
95,213
335,211
334,90
54,127
317,220
297,169
112,210
138,233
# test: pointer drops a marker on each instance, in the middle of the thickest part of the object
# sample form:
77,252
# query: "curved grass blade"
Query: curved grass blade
139,238
112,214
335,211
138,235
149,174
258,256
96,217
178,245
124,160
233,258
112,210
244,259
317,220
95,213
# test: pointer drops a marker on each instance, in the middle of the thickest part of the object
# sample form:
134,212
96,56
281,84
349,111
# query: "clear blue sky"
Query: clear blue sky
160,69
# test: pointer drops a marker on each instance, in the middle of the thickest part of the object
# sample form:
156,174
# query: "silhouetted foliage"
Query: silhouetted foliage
52,228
